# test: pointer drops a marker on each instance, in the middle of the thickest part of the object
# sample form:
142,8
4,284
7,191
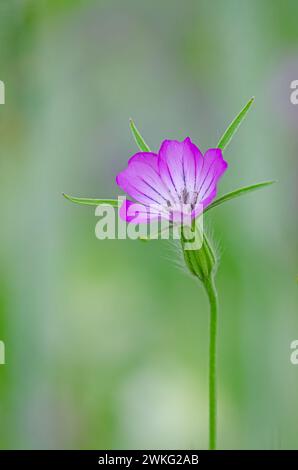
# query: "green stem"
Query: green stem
212,295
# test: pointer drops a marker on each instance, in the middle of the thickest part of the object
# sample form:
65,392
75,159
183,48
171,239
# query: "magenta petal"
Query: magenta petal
149,158
179,164
177,181
141,180
137,213
213,168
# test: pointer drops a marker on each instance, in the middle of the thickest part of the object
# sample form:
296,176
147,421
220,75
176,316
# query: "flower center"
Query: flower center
186,199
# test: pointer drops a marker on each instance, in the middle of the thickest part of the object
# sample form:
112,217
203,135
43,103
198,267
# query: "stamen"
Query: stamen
185,196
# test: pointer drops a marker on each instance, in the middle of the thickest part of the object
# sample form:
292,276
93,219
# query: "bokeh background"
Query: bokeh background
107,341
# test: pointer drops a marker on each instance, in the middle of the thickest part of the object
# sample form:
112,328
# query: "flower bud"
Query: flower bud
201,261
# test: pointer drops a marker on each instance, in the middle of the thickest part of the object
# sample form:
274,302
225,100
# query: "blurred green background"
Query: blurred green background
107,341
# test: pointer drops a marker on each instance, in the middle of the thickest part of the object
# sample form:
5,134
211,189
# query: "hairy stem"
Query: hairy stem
213,300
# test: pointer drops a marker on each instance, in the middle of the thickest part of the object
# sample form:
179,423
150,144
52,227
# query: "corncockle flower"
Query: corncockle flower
167,183
180,181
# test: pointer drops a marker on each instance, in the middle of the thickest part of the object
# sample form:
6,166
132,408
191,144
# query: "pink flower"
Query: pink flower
167,183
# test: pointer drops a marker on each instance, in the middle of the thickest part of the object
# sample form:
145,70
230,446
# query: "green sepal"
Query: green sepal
91,202
138,138
228,134
238,192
